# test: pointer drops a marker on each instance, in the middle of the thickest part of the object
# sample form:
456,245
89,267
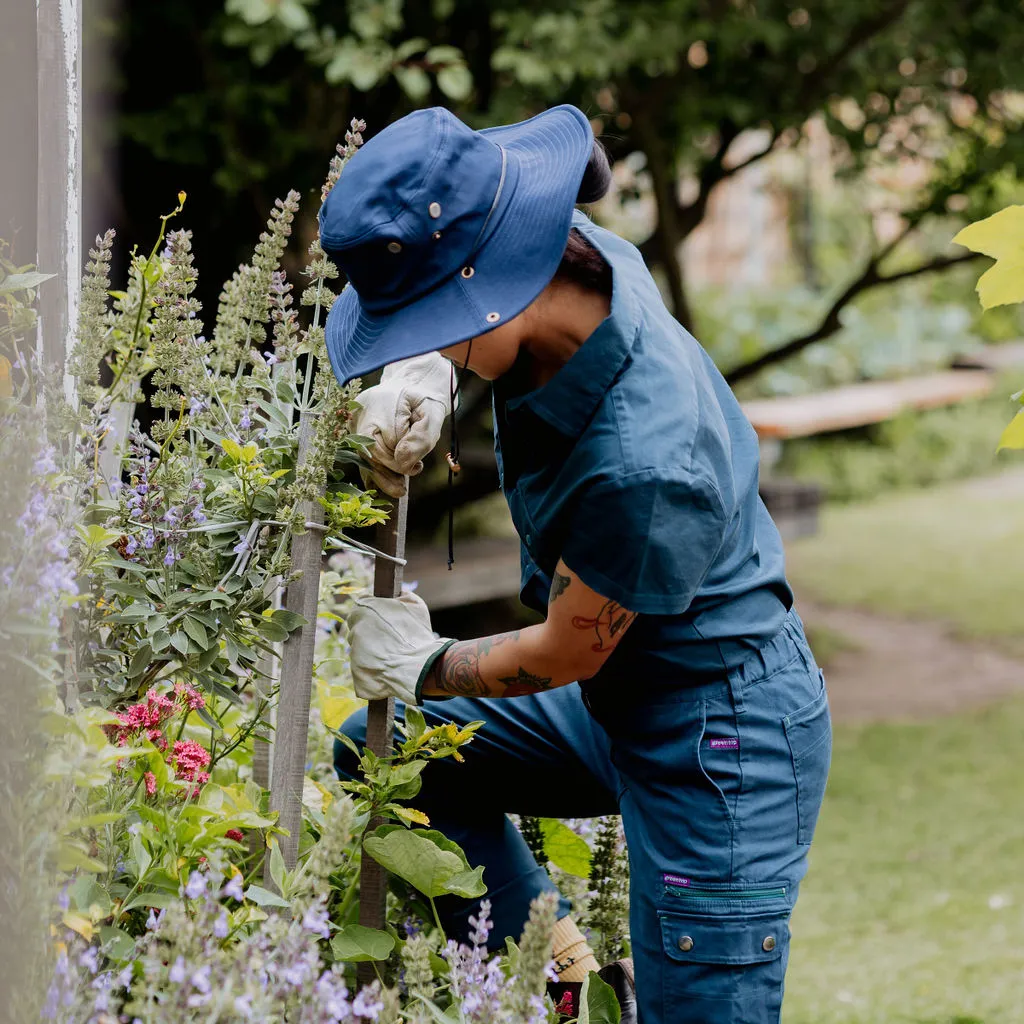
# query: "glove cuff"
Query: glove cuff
426,670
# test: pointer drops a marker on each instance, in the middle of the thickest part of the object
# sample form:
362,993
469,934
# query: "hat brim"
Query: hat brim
546,157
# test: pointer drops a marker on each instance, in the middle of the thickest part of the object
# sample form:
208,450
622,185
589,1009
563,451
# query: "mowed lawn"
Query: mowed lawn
954,553
913,909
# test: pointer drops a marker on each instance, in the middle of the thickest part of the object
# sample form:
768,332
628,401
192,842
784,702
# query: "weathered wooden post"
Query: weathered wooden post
59,201
291,733
380,726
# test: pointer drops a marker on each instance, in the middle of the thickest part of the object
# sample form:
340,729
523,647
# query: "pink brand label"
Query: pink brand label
729,743
675,880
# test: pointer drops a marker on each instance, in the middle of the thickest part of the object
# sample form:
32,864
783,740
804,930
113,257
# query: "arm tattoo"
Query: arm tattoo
458,670
558,587
610,621
523,682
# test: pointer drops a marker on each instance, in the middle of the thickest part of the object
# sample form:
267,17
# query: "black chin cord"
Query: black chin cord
453,456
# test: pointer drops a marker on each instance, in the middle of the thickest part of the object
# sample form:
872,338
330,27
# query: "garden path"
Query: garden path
892,668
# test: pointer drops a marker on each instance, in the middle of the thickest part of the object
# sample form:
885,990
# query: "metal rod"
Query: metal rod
380,728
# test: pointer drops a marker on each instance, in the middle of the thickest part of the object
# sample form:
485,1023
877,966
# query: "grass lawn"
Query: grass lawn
954,552
913,909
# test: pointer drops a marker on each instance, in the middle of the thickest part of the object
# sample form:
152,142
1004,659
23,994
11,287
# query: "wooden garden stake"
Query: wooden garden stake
380,726
291,734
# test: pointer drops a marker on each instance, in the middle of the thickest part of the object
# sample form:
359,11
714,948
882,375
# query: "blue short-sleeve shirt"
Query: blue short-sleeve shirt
635,465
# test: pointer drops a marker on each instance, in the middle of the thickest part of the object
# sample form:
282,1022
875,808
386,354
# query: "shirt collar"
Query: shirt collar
569,399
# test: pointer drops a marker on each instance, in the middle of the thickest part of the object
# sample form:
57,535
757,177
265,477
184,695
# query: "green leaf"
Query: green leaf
196,630
564,848
140,659
427,860
116,944
19,282
598,1004
415,82
161,640
357,944
179,641
273,631
160,900
264,897
278,871
290,620
1013,435
141,856
455,81
415,723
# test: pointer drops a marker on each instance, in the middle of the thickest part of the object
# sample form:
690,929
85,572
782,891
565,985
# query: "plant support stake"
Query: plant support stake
292,731
380,727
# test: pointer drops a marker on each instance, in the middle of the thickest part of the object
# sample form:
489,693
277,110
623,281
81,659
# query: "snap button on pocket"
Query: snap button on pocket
686,943
769,943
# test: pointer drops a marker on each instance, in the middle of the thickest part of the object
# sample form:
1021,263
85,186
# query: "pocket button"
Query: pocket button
686,943
769,943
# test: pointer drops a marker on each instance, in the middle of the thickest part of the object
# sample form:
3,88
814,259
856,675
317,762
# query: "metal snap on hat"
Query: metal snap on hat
444,232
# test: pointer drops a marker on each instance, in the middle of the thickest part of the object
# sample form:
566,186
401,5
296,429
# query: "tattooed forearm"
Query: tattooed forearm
458,671
609,623
558,587
524,682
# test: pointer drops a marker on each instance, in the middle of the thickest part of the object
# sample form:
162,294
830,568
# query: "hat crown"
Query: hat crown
409,208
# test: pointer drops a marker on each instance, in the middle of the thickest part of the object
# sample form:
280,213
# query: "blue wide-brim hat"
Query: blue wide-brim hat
446,233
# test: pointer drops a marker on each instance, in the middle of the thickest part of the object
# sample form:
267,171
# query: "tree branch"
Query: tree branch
829,323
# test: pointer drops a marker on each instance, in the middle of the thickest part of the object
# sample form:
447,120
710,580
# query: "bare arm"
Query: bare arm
581,630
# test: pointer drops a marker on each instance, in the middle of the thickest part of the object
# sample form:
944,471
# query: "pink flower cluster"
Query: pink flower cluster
189,759
147,716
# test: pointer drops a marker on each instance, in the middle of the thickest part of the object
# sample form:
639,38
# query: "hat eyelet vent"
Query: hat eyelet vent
467,272
434,209
493,318
395,247
436,236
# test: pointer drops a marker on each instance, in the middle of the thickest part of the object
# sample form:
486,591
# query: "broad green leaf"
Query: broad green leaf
179,641
290,620
195,629
19,282
1000,236
264,897
415,82
564,848
1013,435
116,944
160,900
273,631
455,81
598,1004
423,862
141,856
140,659
415,723
161,640
356,944
278,871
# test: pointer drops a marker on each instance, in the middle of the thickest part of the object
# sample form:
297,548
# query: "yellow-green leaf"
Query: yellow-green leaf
1013,435
1000,236
233,448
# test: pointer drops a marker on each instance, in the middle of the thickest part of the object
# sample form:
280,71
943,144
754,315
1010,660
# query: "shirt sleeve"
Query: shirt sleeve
646,542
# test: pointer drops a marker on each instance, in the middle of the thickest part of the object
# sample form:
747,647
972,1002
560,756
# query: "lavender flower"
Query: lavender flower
196,885
233,888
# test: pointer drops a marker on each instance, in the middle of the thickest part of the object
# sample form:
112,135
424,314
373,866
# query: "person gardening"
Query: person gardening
670,681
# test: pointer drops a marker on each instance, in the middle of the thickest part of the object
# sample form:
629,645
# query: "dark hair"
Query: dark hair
581,262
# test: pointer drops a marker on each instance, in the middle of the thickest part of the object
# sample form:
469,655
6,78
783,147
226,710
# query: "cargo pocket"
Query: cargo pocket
809,733
724,967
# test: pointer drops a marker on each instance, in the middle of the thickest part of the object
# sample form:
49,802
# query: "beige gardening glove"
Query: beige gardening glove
404,415
392,647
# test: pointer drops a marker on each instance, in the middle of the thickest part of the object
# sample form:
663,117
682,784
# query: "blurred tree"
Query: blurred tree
251,97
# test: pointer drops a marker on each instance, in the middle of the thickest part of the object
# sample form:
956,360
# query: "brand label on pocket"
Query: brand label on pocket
725,743
676,880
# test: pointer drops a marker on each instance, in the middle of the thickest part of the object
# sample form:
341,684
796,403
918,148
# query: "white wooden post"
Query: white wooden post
59,195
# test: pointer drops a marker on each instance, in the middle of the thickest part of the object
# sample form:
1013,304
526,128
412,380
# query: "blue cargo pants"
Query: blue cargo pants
719,788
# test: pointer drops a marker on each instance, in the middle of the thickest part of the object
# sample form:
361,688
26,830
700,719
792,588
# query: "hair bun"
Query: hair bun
597,177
